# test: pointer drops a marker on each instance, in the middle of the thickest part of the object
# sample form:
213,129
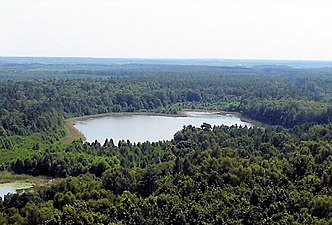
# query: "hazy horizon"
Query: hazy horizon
174,29
162,58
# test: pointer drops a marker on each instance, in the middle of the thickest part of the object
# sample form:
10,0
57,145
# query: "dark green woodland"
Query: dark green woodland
277,174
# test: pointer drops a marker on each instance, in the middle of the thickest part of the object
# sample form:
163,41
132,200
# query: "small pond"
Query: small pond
13,187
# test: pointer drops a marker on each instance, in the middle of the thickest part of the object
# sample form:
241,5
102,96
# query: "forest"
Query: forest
281,174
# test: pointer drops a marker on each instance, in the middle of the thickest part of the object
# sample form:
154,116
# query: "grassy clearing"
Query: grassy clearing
18,185
26,180
71,132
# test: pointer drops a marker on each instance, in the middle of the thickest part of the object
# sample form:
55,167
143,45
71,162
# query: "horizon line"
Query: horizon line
165,58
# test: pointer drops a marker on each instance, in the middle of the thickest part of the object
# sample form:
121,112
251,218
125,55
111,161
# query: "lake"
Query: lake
13,187
140,128
5,189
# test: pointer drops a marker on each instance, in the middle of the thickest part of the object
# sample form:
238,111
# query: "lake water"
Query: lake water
13,188
140,128
5,189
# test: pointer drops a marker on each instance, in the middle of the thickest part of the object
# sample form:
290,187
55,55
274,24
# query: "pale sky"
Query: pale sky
250,29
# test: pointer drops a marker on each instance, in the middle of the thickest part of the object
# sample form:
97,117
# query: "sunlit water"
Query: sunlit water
140,128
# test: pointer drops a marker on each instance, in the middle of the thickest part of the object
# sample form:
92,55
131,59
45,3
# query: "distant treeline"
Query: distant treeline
39,105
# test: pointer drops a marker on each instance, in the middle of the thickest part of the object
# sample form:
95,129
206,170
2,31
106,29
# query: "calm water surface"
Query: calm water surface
5,189
14,187
140,128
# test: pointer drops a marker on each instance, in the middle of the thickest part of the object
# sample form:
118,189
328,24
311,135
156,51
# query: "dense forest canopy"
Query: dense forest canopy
204,175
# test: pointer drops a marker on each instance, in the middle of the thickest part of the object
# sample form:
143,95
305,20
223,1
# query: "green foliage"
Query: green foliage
205,175
237,175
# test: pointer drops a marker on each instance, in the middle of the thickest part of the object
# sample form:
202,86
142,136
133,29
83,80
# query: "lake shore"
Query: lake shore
75,134
18,183
8,177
